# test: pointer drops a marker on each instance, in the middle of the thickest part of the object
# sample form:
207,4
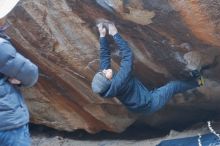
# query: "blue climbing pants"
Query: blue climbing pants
163,94
15,137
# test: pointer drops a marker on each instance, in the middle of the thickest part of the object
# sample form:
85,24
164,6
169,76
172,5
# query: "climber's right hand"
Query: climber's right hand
112,29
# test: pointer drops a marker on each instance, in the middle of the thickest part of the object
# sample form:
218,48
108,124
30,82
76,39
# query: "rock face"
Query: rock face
61,38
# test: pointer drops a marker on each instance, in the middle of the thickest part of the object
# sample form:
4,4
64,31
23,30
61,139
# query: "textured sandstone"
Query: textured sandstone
60,36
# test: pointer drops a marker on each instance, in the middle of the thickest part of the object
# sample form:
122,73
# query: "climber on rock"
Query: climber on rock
15,71
125,86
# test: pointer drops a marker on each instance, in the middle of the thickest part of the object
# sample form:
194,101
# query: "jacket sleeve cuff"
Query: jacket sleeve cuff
28,74
102,39
117,36
103,42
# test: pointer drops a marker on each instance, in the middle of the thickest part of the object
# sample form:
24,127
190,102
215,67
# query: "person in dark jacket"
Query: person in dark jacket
15,71
125,86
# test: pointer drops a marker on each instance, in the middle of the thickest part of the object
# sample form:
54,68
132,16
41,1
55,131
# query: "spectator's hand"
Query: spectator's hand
102,30
112,29
14,81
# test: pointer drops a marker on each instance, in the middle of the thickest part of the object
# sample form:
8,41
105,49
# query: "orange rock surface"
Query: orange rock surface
61,38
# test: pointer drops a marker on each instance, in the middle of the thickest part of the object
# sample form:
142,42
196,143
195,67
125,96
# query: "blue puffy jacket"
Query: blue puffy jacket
129,90
13,110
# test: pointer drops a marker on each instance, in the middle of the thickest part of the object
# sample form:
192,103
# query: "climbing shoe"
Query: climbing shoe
196,74
201,81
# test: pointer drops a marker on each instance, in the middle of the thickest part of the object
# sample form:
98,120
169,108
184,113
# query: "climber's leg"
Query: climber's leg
163,94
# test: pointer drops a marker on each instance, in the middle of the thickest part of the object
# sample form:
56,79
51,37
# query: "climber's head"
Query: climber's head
102,81
6,6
